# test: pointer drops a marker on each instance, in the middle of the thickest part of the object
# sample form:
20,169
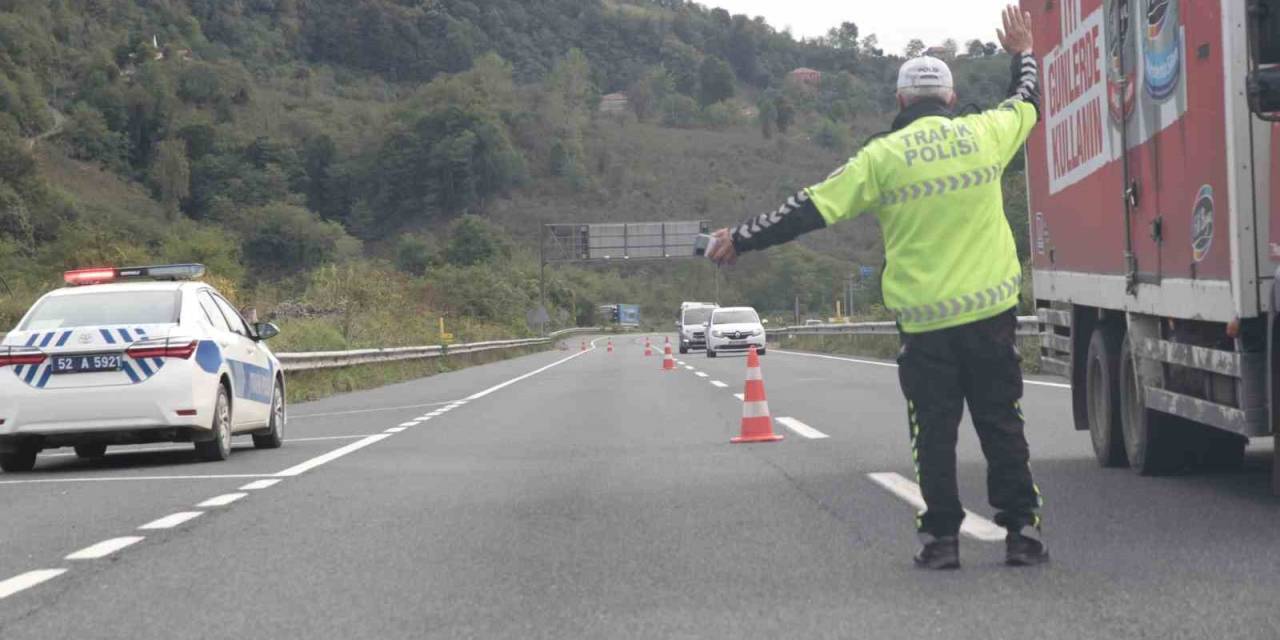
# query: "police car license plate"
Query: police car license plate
86,364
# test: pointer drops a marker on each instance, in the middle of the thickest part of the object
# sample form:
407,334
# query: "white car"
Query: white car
692,326
128,356
734,329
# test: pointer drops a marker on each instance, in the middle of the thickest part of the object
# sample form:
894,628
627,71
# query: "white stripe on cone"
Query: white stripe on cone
757,409
753,373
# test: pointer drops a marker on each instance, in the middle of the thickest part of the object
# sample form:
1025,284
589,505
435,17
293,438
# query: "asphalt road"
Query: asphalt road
592,495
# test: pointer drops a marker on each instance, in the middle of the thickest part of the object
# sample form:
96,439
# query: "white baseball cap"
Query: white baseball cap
925,72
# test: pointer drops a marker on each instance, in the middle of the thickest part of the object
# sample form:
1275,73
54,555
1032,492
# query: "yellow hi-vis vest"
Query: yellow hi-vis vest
935,187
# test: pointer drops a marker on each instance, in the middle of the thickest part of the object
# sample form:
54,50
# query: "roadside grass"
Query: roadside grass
886,347
304,386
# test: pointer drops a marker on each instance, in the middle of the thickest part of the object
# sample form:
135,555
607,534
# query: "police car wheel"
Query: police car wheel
89,451
684,350
274,438
761,351
219,447
21,459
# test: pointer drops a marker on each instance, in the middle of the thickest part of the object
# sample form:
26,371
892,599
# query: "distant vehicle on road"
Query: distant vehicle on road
136,355
734,329
692,325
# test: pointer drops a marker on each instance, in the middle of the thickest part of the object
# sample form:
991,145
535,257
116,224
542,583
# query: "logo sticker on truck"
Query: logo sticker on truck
1164,48
1202,224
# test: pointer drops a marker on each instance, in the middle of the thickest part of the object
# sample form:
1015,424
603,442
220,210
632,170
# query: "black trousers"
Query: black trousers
940,371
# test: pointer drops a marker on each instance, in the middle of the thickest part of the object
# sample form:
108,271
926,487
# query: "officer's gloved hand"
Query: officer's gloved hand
722,252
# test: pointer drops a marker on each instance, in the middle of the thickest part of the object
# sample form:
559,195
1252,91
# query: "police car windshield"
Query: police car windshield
103,309
741,316
697,315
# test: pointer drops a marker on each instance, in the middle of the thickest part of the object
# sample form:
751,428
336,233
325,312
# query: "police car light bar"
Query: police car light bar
103,275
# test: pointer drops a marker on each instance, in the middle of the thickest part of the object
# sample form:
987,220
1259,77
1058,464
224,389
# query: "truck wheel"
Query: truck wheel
91,451
711,353
1102,373
1151,439
684,350
22,458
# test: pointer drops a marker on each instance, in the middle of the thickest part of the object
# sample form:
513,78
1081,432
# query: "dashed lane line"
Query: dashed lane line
688,367
299,469
105,548
377,410
700,374
410,424
221,501
397,429
739,396
874,363
172,520
260,484
974,525
27,580
802,429
719,384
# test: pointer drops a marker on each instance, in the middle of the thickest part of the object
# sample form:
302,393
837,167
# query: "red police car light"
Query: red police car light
89,276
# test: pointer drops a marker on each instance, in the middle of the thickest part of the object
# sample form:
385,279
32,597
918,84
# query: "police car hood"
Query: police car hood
737,327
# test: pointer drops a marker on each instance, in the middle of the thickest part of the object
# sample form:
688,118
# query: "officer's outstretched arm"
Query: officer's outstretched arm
847,193
1010,124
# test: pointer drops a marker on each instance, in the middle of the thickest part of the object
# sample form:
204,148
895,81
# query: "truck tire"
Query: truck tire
1102,389
21,458
1152,440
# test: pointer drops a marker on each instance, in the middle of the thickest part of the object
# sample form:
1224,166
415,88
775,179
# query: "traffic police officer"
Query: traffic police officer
952,278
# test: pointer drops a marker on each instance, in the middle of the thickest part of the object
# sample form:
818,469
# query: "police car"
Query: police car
136,355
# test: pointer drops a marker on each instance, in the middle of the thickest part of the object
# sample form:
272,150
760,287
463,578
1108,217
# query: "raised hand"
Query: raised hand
1016,35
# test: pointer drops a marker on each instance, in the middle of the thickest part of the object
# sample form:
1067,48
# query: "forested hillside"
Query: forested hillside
361,167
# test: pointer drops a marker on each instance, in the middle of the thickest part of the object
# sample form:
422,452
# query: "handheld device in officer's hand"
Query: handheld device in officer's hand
703,244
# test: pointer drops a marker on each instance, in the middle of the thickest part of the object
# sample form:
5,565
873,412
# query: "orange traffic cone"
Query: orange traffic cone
584,345
648,348
757,426
668,361
610,345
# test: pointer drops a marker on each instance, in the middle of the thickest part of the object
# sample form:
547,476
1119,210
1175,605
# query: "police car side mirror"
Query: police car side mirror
266,330
765,321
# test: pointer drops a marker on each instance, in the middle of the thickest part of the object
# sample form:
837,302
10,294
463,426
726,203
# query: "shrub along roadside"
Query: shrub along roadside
304,386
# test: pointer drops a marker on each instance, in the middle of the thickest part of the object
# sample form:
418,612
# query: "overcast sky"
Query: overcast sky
894,22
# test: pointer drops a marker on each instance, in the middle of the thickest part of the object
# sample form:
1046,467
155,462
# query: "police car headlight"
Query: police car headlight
718,333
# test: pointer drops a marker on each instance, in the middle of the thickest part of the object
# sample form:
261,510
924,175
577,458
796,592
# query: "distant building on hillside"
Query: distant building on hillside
614,103
805,76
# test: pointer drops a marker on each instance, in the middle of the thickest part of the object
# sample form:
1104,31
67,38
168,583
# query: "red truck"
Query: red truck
1155,231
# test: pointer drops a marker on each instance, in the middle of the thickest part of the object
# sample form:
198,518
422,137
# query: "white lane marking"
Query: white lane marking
434,414
801,428
688,367
105,548
229,476
409,424
974,526
477,396
740,397
700,374
319,438
27,580
680,362
874,363
172,520
424,418
378,410
396,429
221,501
299,469
260,484
719,384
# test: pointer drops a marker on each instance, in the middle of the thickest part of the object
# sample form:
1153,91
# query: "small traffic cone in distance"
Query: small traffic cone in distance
584,345
757,425
668,360
610,345
648,348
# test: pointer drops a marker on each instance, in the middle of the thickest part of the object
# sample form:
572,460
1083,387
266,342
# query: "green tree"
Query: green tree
844,37
473,240
914,48
285,237
716,81
975,49
679,111
414,254
682,62
171,174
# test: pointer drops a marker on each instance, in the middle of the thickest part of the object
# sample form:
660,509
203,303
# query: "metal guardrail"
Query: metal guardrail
1028,326
314,360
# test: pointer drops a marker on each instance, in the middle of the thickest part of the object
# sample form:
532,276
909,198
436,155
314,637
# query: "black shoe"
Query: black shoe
939,553
1023,550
